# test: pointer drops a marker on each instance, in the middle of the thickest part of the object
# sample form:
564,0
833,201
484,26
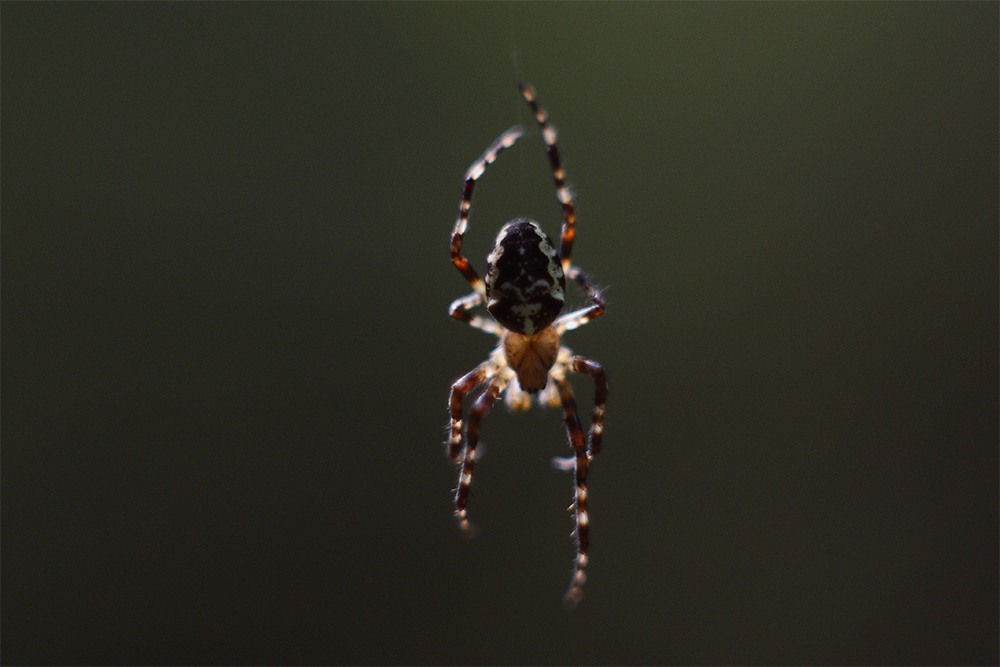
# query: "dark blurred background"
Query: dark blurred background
226,349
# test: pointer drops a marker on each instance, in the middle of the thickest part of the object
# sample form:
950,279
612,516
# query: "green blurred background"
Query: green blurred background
226,349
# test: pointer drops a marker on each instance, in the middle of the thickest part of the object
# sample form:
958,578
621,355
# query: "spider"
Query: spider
524,292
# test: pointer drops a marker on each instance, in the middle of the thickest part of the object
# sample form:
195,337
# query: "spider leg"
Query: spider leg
580,317
577,274
476,170
558,175
595,370
459,389
577,441
460,308
479,409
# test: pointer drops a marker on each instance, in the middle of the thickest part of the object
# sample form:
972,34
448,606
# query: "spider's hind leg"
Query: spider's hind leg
476,169
558,174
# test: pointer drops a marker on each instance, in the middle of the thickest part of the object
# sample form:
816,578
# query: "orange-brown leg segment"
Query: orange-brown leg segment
462,386
476,170
596,371
558,175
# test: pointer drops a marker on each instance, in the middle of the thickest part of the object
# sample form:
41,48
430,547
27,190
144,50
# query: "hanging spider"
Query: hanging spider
524,291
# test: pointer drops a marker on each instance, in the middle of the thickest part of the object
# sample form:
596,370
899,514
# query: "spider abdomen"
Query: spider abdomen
525,283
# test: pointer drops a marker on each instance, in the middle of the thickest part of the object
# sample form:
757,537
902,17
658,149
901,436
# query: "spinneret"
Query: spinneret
525,292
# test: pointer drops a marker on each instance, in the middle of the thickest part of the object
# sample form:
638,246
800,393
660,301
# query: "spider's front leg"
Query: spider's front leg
480,407
459,389
595,370
579,364
580,461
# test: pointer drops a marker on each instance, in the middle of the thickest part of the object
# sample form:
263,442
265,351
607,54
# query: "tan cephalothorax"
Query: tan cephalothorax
531,357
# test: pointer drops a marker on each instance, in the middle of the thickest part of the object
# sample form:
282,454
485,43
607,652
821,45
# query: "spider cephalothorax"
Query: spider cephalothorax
525,291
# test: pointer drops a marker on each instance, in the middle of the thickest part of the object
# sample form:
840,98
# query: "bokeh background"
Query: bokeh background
226,349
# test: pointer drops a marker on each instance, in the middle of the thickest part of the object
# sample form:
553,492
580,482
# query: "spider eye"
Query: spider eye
525,283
